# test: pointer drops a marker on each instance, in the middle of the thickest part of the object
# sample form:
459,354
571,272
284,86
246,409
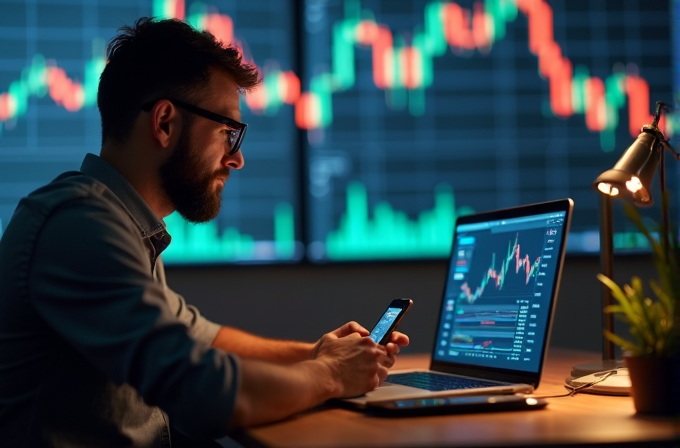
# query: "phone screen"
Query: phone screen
385,323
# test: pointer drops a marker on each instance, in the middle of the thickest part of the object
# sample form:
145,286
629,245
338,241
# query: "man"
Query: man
95,349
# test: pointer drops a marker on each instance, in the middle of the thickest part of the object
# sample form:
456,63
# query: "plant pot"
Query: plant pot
655,384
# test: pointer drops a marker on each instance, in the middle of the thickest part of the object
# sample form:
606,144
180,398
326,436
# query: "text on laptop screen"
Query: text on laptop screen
496,304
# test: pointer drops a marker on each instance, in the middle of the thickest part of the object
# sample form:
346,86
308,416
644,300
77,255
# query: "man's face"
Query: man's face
189,180
194,175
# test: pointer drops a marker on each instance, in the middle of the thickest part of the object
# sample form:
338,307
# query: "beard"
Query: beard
188,182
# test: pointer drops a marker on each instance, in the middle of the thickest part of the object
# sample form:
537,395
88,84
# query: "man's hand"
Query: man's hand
397,340
355,362
344,363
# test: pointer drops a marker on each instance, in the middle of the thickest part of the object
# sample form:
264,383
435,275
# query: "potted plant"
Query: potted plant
653,354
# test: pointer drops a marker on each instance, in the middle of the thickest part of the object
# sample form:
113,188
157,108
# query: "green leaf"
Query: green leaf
619,295
653,321
664,299
623,343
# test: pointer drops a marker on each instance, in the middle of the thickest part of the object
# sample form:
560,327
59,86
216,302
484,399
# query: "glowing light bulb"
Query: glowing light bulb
606,188
634,185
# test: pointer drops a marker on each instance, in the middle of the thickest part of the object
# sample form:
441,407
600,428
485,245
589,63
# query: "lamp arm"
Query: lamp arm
670,148
654,128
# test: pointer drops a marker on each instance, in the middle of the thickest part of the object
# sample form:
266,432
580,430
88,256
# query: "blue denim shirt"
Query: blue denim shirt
95,349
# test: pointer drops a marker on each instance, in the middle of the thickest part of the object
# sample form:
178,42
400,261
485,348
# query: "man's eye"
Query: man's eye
230,136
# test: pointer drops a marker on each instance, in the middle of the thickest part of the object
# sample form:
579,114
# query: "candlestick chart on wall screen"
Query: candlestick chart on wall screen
51,55
423,110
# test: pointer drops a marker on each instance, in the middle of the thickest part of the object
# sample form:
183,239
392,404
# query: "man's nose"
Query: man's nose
234,161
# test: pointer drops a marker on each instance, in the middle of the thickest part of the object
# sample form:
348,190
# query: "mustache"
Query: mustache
222,173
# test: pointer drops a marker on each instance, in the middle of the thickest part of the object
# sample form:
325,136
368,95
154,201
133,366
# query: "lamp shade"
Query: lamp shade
632,175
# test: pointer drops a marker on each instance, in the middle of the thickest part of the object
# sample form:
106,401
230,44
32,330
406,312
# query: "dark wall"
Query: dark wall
304,301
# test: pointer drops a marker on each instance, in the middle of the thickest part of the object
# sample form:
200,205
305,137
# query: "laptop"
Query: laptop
497,308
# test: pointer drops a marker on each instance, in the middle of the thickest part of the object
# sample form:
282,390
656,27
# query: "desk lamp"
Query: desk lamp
629,179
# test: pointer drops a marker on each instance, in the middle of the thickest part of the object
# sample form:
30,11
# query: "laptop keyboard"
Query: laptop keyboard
434,382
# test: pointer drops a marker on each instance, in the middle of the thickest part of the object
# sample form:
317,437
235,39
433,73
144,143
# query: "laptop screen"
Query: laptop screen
501,287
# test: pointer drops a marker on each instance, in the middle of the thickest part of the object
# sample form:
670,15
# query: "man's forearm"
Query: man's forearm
249,346
344,363
269,392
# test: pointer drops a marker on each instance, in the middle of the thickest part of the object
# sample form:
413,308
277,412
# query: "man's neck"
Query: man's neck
143,174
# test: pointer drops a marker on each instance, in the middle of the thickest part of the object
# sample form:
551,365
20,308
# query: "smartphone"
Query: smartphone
454,405
390,320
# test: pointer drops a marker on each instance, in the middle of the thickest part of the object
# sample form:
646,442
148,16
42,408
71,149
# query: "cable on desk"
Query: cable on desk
574,390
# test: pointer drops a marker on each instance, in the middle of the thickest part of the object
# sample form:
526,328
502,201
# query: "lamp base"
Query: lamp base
596,366
616,384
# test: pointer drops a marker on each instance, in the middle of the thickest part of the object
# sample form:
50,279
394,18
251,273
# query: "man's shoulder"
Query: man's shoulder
72,199
68,187
72,218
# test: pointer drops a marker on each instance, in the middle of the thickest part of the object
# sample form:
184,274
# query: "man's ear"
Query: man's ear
165,122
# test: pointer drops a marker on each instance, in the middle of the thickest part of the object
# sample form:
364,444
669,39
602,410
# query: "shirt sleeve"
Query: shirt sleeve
91,282
199,327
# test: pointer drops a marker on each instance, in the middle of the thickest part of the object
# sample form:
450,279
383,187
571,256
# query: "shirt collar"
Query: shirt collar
96,167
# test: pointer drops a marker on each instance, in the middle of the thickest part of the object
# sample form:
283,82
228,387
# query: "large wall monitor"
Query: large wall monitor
51,55
379,121
427,110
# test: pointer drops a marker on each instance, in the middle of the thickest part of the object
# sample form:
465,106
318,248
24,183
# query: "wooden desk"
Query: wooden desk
581,420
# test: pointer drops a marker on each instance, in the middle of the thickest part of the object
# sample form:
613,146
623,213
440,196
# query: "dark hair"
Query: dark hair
156,59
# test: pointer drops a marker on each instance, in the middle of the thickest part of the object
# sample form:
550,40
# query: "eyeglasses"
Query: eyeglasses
234,135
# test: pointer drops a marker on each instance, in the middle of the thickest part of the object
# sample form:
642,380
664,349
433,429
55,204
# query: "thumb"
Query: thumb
350,328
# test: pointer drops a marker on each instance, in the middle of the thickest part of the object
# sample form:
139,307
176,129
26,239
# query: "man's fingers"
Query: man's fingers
350,328
382,373
399,339
388,361
392,348
353,336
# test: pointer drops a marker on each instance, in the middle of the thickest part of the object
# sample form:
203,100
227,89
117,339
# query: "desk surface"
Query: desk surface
581,420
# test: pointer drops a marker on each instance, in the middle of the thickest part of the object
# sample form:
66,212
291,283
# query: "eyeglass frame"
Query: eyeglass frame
212,116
